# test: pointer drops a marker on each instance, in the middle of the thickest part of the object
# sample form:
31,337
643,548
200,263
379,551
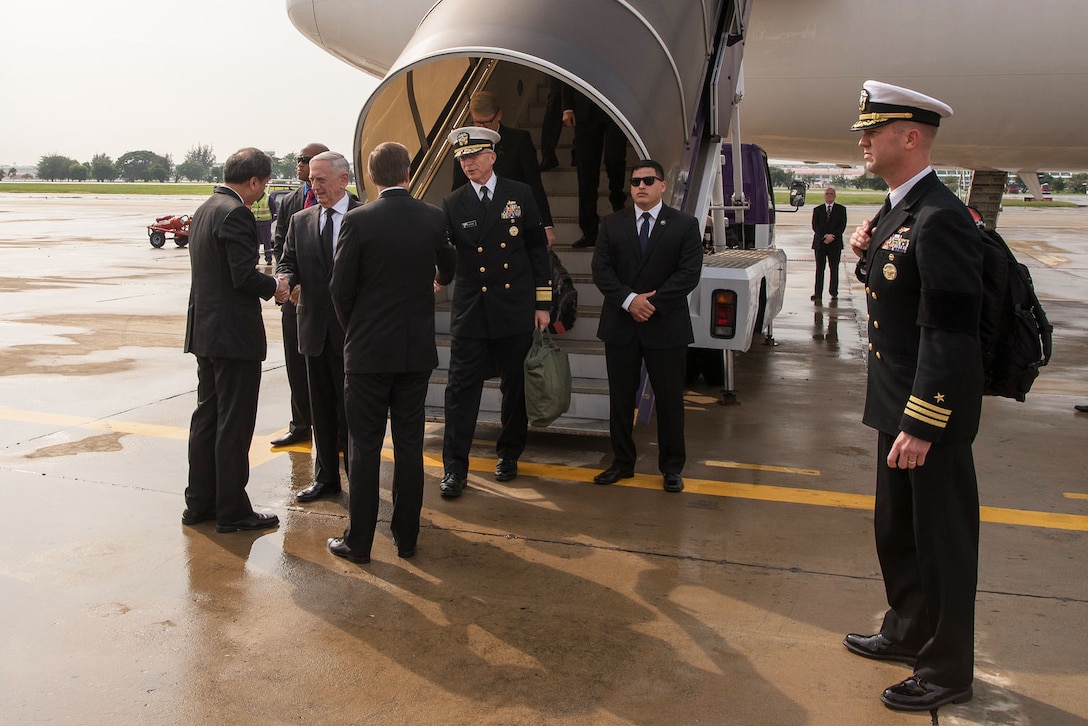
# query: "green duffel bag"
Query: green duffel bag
547,380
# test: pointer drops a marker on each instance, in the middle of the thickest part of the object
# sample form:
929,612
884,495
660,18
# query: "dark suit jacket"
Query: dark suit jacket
503,271
306,262
672,264
292,203
822,224
516,159
924,293
382,283
224,318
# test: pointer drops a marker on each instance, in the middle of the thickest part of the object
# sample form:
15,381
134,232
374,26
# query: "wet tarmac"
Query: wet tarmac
546,600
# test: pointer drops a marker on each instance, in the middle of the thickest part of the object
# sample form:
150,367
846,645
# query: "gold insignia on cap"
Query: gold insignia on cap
863,100
462,138
890,273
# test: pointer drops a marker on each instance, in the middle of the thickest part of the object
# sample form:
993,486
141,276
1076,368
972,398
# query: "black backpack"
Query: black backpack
564,297
1015,333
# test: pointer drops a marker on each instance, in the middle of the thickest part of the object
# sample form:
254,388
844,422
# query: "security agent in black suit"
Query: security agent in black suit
383,286
645,263
307,265
515,155
828,225
596,135
225,331
299,429
921,261
503,290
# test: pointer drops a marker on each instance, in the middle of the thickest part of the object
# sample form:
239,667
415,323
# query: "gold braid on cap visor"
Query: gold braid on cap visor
878,117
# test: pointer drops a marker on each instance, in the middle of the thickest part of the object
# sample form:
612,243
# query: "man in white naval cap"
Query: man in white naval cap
921,262
502,292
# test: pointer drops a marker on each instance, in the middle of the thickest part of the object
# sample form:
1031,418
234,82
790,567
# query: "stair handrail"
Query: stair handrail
435,155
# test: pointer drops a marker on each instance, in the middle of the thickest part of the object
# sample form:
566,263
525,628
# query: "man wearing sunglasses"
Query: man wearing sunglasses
299,429
645,263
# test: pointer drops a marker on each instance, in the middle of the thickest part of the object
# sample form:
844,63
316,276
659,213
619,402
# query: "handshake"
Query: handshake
284,292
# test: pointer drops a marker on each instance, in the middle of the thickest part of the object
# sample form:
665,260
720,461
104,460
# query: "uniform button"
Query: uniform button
874,296
507,286
876,324
891,257
870,346
483,269
878,355
484,288
866,289
503,245
506,265
479,249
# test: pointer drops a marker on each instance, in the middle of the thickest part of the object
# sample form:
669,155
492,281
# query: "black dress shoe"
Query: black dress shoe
451,485
879,648
673,482
258,520
583,242
612,474
549,164
317,490
814,297
338,548
1081,407
506,470
191,517
292,437
406,553
916,694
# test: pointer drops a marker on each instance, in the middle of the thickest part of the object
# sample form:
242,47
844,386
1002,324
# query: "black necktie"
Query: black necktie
485,197
644,231
326,234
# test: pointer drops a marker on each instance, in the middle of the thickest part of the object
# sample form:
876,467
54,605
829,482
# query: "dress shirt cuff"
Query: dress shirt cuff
627,302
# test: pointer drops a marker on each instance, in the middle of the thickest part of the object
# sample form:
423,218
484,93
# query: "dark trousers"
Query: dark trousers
325,374
828,255
926,523
592,140
665,368
296,370
220,435
473,361
369,398
552,125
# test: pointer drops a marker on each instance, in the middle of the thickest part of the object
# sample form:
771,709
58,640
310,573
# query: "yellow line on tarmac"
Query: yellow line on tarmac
260,452
1075,495
763,467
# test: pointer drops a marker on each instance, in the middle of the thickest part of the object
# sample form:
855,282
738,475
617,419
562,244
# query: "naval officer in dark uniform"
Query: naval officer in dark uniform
921,262
502,291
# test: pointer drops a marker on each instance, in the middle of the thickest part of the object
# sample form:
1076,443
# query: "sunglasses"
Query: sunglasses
304,159
647,180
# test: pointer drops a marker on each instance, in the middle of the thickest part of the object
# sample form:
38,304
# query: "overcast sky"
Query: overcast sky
80,77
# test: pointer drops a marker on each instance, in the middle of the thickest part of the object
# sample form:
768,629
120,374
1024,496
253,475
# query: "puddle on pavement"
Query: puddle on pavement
99,333
101,443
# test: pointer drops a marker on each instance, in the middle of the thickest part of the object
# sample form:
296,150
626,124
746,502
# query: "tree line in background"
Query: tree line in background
1077,183
132,166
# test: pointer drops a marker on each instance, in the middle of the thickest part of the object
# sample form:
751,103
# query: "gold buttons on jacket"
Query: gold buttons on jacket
503,245
507,286
506,265
878,355
870,346
483,269
483,289
876,324
479,249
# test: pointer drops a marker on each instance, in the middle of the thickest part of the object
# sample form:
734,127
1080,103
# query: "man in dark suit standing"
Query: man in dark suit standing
828,225
299,429
921,261
225,331
596,136
503,290
645,263
383,289
515,155
307,266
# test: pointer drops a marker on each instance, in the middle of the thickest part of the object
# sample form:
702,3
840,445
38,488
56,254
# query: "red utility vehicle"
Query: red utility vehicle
171,224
